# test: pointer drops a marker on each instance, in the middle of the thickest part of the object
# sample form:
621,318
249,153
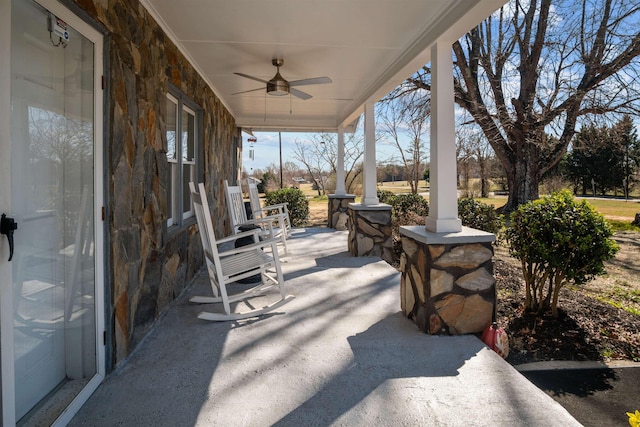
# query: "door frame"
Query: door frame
6,286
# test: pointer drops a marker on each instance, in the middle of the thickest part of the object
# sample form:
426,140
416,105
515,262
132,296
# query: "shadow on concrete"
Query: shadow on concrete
377,358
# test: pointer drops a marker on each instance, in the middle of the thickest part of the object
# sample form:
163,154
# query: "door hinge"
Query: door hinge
103,82
104,215
104,338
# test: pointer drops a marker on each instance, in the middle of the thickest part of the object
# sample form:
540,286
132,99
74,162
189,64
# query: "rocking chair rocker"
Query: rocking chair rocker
235,264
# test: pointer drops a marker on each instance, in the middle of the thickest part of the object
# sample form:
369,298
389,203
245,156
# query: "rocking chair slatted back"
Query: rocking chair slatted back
235,205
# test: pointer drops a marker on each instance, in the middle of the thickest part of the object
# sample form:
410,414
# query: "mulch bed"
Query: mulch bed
586,328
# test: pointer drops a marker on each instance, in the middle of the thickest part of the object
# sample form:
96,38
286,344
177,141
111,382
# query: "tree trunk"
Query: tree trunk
482,163
523,178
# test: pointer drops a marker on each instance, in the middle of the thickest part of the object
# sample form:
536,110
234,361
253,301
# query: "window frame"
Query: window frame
178,215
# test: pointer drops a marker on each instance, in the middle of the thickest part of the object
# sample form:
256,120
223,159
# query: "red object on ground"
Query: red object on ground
497,340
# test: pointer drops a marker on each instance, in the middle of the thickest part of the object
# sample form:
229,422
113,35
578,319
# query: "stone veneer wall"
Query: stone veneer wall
447,288
370,231
150,266
339,210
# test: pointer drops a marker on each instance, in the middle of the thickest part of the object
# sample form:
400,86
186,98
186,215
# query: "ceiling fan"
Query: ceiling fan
278,86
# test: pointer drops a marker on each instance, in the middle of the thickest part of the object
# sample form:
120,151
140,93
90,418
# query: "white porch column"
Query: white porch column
443,199
369,194
340,191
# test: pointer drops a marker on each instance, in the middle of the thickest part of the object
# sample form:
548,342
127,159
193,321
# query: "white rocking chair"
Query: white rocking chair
235,264
271,227
279,210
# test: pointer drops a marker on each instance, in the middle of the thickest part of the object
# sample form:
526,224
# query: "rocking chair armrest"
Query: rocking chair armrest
277,206
238,236
277,216
267,220
251,247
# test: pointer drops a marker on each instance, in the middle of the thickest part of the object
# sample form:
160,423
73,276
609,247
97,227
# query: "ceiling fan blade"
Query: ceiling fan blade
311,81
250,77
247,91
300,94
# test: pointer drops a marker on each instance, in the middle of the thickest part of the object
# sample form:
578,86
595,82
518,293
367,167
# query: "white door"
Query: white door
52,193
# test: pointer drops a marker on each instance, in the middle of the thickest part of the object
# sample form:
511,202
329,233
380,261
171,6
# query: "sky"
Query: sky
267,151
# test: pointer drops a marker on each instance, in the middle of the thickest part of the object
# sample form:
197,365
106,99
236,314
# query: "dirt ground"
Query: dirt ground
599,321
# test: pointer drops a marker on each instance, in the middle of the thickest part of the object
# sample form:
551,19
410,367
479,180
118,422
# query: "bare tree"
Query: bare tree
464,160
320,152
405,122
474,155
310,154
290,170
537,68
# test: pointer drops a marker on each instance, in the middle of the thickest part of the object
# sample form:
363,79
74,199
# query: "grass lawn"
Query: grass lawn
611,209
616,209
618,212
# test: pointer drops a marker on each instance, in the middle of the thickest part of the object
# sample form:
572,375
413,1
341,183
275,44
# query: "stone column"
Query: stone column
339,210
370,231
446,283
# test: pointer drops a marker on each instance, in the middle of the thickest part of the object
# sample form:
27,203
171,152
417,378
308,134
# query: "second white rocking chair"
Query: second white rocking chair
270,226
279,210
235,264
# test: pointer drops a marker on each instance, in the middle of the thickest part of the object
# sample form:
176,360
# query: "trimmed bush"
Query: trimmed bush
406,209
385,196
478,215
559,241
297,203
404,204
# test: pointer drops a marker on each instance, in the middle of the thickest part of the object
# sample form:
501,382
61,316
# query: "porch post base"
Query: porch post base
370,230
339,210
447,286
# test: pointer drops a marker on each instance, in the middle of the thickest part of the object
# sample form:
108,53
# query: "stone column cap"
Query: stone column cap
376,207
466,235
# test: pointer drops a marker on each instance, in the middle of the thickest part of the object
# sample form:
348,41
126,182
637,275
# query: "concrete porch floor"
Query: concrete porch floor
340,353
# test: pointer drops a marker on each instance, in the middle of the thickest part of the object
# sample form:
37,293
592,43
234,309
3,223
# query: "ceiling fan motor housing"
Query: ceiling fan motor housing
277,86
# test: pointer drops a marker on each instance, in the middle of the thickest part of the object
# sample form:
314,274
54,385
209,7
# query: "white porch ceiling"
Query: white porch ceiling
366,47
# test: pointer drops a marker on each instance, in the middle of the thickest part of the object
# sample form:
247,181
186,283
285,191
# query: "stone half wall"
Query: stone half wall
149,264
339,210
370,231
447,285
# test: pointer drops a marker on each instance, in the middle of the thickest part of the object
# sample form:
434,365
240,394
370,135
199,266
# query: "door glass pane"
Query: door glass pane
52,128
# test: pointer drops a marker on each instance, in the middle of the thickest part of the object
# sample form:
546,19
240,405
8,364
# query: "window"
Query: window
183,145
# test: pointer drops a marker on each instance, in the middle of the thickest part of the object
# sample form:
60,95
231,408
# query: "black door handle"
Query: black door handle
8,226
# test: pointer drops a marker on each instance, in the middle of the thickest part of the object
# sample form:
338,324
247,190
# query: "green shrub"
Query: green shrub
297,203
385,196
404,204
478,215
558,242
406,209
